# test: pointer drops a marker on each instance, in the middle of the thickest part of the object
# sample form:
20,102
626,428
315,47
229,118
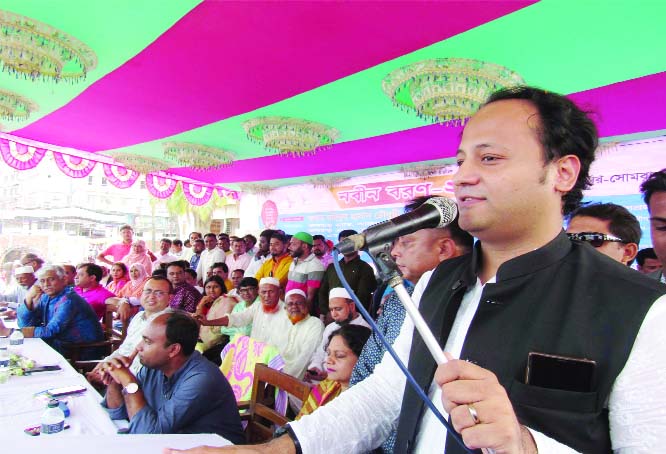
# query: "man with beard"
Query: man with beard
269,320
278,265
359,275
305,271
261,254
25,278
304,334
321,250
343,312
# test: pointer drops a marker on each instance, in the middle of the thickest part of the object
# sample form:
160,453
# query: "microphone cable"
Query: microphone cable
410,379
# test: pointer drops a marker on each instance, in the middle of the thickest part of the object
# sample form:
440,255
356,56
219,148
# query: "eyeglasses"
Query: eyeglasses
595,239
157,293
246,290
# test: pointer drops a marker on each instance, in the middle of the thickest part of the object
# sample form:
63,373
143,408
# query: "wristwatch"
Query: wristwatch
287,430
130,388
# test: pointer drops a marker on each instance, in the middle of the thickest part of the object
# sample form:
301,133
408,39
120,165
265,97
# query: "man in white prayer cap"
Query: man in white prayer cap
343,312
269,319
15,294
304,334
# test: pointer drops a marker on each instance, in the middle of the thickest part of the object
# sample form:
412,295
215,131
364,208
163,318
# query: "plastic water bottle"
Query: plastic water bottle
53,419
16,338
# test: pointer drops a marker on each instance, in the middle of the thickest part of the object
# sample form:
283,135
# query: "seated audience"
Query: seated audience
88,287
269,320
59,316
139,254
191,278
177,390
154,301
33,260
343,311
237,276
647,261
214,304
343,348
303,336
118,277
15,293
185,297
129,296
611,229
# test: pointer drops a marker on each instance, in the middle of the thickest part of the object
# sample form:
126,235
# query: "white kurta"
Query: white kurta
272,328
303,340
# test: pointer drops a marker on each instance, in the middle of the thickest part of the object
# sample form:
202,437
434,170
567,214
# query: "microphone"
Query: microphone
436,212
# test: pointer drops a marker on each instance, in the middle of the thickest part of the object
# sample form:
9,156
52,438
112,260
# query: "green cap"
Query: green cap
304,237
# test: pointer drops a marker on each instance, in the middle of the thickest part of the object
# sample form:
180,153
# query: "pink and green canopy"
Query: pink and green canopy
194,71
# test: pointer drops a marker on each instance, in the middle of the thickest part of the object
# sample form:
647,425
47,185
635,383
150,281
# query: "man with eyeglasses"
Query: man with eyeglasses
248,291
157,292
654,195
611,229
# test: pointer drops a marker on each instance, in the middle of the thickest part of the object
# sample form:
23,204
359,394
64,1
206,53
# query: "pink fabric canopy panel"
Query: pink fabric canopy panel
206,67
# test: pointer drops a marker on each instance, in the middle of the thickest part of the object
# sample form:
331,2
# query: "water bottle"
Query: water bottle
53,419
16,338
4,354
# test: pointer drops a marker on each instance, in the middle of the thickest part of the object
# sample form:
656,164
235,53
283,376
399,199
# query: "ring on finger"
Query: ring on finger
473,413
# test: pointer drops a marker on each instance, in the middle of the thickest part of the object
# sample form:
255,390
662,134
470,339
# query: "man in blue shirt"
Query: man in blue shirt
59,316
177,390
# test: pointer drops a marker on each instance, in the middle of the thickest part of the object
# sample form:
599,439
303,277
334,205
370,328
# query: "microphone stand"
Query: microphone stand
389,273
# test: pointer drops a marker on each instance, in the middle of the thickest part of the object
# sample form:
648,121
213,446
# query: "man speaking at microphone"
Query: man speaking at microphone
560,346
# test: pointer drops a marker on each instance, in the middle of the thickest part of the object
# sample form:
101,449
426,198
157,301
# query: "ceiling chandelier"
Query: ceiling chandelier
140,163
14,106
422,171
446,89
36,50
290,136
327,181
197,156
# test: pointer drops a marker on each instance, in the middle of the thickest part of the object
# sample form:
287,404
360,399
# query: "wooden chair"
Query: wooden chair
261,418
112,340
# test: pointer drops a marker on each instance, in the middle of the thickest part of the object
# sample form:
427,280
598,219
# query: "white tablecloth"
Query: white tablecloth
20,409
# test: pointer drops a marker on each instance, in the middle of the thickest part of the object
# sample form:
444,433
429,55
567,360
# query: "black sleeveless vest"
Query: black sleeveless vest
563,299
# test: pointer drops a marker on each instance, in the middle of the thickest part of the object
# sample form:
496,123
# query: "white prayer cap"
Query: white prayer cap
339,292
295,291
270,281
23,270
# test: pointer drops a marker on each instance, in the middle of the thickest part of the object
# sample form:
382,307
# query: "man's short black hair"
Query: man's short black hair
249,282
222,265
647,253
268,233
280,237
161,279
346,233
159,272
319,237
182,264
621,222
92,269
210,234
463,240
177,242
200,240
564,129
656,182
191,272
250,237
166,240
181,329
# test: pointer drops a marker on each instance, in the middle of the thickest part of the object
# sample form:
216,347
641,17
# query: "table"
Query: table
20,409
91,430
